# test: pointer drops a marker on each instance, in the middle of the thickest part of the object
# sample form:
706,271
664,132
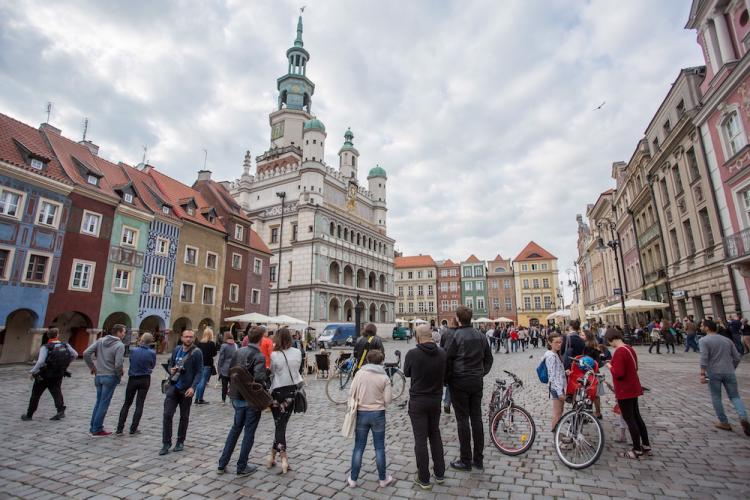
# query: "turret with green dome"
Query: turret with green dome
377,171
314,124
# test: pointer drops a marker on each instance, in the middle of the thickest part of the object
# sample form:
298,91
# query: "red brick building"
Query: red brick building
448,289
501,290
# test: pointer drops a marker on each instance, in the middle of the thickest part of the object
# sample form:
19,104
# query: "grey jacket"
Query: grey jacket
109,352
225,357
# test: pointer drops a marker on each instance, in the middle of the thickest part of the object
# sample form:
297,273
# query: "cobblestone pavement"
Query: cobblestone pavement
44,459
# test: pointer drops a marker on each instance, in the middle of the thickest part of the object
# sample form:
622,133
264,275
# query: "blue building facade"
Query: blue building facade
155,302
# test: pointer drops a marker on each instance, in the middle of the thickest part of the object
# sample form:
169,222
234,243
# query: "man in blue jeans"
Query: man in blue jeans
104,358
246,417
719,359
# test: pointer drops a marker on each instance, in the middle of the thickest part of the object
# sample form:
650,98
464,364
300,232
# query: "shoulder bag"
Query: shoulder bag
251,391
350,417
300,397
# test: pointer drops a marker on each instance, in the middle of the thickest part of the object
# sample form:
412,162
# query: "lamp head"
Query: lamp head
600,245
281,194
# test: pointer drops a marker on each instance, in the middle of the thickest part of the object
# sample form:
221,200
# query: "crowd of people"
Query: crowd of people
446,368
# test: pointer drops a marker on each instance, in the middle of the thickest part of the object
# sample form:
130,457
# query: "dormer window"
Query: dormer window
37,163
239,232
190,211
165,210
127,197
92,179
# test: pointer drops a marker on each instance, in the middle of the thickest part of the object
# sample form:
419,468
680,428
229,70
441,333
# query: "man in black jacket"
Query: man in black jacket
425,365
367,342
245,416
185,365
573,344
469,360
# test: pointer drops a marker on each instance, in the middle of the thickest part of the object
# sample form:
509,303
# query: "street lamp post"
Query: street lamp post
358,317
614,244
282,195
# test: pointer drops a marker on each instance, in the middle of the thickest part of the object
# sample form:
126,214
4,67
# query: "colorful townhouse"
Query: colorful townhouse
501,290
474,286
448,290
199,273
416,285
35,209
535,271
247,263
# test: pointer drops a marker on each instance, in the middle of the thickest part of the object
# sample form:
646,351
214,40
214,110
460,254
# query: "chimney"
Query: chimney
204,175
93,148
46,127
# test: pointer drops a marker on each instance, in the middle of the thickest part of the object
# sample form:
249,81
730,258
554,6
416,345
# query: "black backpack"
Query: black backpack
57,362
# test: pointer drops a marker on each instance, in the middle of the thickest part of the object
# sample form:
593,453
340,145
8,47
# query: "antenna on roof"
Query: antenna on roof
49,110
205,158
85,127
145,150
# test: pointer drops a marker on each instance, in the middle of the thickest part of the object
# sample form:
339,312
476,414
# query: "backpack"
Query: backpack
57,362
542,373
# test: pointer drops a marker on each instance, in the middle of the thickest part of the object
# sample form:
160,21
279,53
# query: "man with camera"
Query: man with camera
48,372
185,371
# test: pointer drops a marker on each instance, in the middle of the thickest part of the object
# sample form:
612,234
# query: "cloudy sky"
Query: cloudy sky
481,112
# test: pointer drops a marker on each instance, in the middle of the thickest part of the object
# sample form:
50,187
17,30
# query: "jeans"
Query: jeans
137,386
202,383
281,409
366,421
173,399
737,339
467,404
53,385
691,341
656,343
447,397
246,418
514,346
105,388
425,423
224,387
632,417
729,381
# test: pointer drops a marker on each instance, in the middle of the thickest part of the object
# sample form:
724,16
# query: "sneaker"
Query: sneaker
386,482
478,464
723,426
164,449
118,432
439,480
351,482
221,470
745,427
424,486
178,447
101,433
134,431
249,469
459,465
58,416
25,417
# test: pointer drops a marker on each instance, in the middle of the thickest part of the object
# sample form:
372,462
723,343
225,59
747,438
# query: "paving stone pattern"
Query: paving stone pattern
43,459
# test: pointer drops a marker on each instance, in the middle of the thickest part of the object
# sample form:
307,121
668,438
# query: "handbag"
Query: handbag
300,397
350,418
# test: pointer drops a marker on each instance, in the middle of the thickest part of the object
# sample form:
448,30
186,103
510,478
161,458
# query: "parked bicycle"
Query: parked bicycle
337,387
512,429
579,436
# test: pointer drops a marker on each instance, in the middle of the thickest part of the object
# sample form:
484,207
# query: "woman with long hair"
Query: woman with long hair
285,364
228,348
208,348
556,373
627,385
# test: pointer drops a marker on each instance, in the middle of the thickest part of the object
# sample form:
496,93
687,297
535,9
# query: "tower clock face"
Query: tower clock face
295,89
277,131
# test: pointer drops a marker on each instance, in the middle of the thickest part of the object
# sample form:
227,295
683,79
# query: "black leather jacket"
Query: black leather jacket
469,356
255,362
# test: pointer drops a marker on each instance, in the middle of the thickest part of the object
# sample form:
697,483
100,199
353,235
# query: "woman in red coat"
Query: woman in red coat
624,369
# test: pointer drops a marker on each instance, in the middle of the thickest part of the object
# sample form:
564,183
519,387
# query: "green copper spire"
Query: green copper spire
298,41
348,136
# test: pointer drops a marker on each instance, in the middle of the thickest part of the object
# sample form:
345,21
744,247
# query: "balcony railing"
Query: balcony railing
738,244
126,256
648,235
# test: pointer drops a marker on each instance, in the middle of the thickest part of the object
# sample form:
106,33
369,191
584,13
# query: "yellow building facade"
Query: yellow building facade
536,280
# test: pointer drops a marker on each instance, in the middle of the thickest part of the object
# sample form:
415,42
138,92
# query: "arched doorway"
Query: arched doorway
348,311
360,279
383,314
333,272
371,281
333,310
372,317
116,318
74,328
382,283
16,339
180,325
348,276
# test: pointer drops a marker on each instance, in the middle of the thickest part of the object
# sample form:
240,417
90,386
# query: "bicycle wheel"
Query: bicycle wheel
512,430
579,439
398,384
337,388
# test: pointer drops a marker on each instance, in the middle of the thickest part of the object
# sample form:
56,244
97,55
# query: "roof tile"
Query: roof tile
533,251
414,261
16,136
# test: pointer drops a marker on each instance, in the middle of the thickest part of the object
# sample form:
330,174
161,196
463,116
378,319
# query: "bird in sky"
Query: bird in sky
599,106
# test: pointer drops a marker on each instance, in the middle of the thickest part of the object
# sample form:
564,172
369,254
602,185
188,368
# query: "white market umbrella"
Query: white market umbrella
561,314
482,320
283,319
418,321
401,320
634,305
249,318
503,319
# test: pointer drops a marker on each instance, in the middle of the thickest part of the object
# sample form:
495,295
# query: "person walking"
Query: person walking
185,369
691,334
669,335
734,326
745,329
425,366
514,336
719,359
51,366
246,417
285,363
556,373
142,363
366,343
371,388
208,350
627,385
228,348
105,358
469,359
655,340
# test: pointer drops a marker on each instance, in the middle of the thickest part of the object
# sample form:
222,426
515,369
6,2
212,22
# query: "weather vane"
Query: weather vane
302,9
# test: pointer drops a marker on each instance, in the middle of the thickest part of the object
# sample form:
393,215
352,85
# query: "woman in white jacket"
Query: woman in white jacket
556,373
285,363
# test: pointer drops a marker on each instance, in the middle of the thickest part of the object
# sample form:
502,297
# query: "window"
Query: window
272,271
10,203
454,272
236,261
212,260
187,291
692,162
480,285
480,303
675,244
454,305
495,284
547,302
37,268
667,127
535,282
454,286
400,291
444,305
128,198
664,191
544,267
508,304
443,286
419,275
165,210
239,232
733,133
420,307
689,237
48,213
527,303
496,303
37,163
677,180
121,282
411,307
467,272
157,285
129,237
162,246
410,291
257,266
92,179
681,108
524,267
90,223
468,286
469,302
429,274
506,284
234,293
443,273
537,303
534,267
526,283
410,275
294,232
190,210
430,291
401,308
208,295
6,262
478,271
191,255
545,283
274,235
81,276
255,296
420,290
705,221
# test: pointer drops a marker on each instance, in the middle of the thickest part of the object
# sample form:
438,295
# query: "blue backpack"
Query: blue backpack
541,372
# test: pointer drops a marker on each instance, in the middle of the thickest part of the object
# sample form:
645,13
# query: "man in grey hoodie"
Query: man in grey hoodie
104,358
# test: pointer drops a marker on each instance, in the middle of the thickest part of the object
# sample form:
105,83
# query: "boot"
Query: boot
284,462
272,458
59,415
